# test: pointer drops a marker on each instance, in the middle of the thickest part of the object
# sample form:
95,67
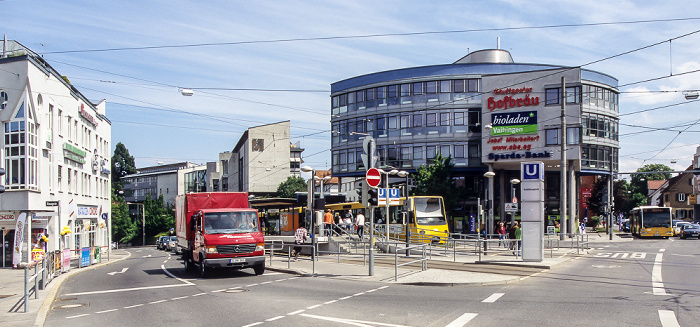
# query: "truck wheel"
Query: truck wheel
189,264
203,271
259,269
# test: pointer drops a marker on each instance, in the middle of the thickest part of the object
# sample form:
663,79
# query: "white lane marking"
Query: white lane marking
165,261
133,306
199,294
273,273
275,318
296,312
345,297
657,282
118,272
462,320
128,289
314,306
253,324
217,291
358,294
148,256
383,287
78,316
668,318
662,250
156,302
351,321
179,298
105,311
330,302
173,276
263,283
251,285
493,298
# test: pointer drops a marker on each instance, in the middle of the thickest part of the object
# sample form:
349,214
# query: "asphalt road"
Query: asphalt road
638,283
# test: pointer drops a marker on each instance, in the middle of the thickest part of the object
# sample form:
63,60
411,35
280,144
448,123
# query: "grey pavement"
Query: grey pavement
327,266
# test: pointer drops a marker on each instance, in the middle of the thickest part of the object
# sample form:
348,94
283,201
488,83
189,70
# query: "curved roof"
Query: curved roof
465,66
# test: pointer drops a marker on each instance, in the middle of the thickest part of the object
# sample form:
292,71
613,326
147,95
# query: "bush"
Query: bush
594,221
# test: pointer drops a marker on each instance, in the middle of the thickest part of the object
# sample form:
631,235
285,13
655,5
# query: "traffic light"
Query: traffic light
2,187
364,195
373,197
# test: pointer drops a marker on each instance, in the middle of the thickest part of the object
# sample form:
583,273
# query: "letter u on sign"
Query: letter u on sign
532,170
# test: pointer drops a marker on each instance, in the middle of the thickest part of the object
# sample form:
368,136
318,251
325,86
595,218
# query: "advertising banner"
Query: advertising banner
19,232
512,123
66,259
84,257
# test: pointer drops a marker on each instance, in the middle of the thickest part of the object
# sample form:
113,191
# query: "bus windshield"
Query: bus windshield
230,222
429,211
656,218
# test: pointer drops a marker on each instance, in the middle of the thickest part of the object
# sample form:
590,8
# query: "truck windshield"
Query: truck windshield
230,222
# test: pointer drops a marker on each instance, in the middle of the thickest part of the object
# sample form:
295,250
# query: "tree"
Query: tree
122,165
436,179
123,227
598,200
288,188
639,188
159,216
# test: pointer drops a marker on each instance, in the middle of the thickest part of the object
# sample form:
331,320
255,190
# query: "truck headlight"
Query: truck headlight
210,249
260,247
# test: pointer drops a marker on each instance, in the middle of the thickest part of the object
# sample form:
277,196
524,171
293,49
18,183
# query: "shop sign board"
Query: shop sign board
84,257
512,123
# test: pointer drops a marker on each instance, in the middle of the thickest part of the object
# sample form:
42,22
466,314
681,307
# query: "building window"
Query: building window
551,96
551,137
680,197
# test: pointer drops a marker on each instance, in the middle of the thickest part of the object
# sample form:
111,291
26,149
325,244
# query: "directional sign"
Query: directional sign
373,177
393,196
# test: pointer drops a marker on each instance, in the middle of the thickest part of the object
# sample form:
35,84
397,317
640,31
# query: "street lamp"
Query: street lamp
489,175
310,207
513,182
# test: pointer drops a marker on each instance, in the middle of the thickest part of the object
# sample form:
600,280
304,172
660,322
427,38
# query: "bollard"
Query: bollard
26,291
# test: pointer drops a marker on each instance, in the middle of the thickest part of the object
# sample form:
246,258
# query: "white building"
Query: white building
56,157
167,180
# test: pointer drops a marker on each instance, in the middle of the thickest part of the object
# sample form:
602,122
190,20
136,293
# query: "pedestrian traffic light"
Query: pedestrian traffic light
2,187
373,197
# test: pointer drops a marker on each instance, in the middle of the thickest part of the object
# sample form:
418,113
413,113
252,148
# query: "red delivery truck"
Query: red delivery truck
219,230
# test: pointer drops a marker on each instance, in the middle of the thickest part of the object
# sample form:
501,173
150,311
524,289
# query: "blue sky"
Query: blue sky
157,124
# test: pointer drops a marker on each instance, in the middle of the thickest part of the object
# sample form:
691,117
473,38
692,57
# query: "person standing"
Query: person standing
511,235
518,236
328,221
360,223
299,238
501,230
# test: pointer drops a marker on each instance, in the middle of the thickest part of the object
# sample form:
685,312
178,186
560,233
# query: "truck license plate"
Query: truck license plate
236,260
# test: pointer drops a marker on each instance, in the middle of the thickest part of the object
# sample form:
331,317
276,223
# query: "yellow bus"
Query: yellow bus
423,216
651,221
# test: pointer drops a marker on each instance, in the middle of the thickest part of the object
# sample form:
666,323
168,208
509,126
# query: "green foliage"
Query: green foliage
597,200
123,228
288,188
436,179
160,216
122,165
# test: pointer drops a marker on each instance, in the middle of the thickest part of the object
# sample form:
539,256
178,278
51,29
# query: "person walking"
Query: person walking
360,223
501,230
299,238
511,235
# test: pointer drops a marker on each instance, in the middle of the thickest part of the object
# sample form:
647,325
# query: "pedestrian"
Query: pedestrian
337,221
511,235
328,221
518,236
299,238
360,223
347,224
501,230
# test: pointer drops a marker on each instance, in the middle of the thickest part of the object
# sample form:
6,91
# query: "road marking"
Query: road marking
314,306
156,302
273,273
253,324
256,284
493,298
657,282
358,294
173,276
134,306
668,318
166,260
78,316
179,298
105,311
345,298
296,312
263,283
148,256
462,320
662,250
128,289
351,321
275,318
330,302
217,291
118,272
199,294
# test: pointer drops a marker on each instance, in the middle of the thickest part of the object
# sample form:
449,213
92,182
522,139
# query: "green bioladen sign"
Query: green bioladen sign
513,123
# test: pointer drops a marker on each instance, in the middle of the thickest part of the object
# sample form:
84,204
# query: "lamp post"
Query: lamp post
321,194
310,208
489,198
513,182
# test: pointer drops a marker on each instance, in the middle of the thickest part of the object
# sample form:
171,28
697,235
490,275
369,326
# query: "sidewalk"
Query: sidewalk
12,290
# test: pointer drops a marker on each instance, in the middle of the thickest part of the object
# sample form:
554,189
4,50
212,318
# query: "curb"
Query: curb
51,297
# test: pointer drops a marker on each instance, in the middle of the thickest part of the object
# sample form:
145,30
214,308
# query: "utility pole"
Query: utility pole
562,185
370,164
